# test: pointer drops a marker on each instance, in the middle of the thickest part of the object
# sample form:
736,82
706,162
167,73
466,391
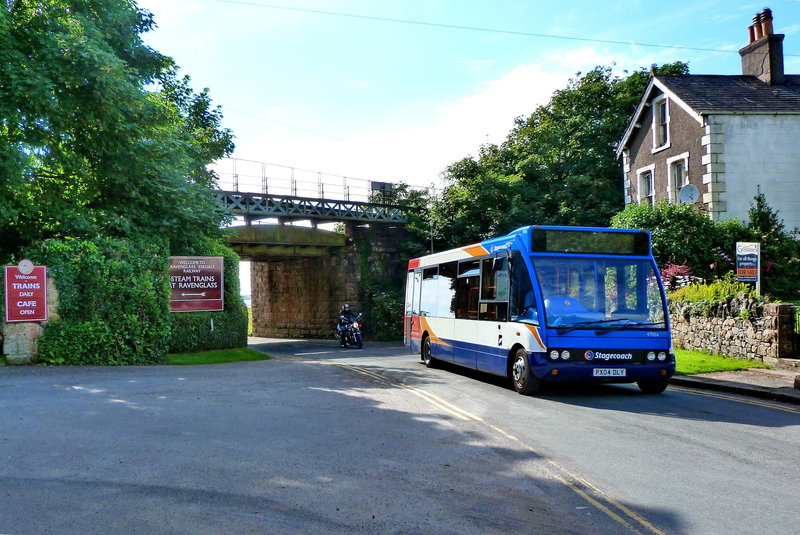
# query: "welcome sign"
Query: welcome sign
196,283
26,292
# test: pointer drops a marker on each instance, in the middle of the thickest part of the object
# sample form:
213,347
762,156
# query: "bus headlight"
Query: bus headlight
565,355
662,356
651,356
554,354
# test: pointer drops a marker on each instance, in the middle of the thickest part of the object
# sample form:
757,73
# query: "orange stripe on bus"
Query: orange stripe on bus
476,250
535,332
427,327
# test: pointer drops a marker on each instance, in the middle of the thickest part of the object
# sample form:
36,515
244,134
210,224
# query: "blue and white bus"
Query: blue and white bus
545,304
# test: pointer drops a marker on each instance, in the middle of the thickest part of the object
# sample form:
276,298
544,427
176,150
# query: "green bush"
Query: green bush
720,290
684,236
192,331
112,306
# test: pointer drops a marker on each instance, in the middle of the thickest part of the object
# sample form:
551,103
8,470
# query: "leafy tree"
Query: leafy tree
556,166
97,133
103,156
780,250
680,234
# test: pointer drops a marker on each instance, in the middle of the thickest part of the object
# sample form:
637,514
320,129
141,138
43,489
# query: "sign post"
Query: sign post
748,263
26,292
196,282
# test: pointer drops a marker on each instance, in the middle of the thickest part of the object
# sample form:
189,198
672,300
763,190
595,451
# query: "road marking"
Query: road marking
731,397
590,493
313,353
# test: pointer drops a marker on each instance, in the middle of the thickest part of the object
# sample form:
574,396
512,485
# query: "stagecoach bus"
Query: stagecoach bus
545,304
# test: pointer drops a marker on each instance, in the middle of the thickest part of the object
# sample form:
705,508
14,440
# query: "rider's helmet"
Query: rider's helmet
345,307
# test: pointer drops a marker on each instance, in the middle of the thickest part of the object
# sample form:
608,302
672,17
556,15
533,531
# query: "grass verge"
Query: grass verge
693,362
217,356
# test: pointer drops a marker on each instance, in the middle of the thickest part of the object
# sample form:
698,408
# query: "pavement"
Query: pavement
777,383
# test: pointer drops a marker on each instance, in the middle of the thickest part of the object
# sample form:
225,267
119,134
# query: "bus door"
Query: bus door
465,335
492,349
411,332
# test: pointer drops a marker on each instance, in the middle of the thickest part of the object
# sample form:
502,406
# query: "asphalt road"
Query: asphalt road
322,440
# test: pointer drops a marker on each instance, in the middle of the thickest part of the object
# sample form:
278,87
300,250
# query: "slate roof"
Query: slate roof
708,94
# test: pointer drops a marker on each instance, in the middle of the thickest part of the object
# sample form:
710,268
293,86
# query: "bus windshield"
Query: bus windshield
600,293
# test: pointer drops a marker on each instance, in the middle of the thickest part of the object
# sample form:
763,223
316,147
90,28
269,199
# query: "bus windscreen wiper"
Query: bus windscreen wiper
610,328
584,324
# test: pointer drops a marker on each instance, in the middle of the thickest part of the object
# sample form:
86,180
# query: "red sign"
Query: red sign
26,292
196,283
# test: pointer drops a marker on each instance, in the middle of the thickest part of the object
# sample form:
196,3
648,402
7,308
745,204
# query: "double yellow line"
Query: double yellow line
591,494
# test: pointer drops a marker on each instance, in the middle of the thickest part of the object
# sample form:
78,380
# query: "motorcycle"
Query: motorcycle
351,335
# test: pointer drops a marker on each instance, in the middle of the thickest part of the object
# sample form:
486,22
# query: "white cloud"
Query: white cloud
418,155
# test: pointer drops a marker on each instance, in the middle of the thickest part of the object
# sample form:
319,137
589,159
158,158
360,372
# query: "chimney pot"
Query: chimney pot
766,21
757,26
752,33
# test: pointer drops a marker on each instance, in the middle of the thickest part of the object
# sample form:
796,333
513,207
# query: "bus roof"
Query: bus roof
550,240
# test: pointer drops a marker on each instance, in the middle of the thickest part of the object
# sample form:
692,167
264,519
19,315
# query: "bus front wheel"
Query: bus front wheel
427,358
524,380
653,387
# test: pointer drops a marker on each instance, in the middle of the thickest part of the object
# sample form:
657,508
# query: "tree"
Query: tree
557,166
97,134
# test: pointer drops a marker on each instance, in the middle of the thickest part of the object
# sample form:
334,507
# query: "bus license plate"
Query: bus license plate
608,372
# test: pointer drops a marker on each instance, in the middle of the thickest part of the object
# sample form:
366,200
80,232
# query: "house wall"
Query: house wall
685,137
758,150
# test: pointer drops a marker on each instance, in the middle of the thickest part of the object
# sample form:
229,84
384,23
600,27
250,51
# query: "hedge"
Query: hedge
112,307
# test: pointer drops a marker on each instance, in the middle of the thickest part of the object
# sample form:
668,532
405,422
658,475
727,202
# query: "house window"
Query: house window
678,175
645,185
660,123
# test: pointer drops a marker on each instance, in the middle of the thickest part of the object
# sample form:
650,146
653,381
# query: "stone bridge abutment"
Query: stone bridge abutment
301,276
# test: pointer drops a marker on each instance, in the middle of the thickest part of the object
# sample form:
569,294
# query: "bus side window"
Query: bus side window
467,290
523,300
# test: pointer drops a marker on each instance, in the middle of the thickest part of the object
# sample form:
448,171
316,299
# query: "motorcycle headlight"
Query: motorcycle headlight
355,325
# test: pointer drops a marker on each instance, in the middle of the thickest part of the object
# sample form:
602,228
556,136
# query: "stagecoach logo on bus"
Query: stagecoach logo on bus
591,355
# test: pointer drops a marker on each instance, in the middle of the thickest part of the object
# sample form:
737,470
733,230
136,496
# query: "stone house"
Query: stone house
724,135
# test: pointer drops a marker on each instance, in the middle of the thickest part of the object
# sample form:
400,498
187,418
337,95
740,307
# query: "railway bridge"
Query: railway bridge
302,273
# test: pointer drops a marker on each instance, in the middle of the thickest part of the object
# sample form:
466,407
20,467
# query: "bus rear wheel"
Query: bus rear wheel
653,387
524,381
427,358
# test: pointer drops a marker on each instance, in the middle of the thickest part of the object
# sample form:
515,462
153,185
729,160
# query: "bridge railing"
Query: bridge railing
250,176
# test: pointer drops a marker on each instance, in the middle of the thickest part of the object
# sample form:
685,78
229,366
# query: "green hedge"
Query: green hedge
112,307
192,331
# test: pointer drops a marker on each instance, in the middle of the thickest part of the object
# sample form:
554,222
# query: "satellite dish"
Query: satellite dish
689,194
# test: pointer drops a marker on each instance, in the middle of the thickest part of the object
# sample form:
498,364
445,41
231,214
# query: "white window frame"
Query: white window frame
640,174
656,125
673,189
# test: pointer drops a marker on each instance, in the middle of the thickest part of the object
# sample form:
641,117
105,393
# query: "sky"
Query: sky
396,90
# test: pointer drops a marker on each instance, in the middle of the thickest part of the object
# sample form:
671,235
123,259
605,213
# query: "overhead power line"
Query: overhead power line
472,28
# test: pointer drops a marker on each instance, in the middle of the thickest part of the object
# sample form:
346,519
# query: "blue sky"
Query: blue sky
345,93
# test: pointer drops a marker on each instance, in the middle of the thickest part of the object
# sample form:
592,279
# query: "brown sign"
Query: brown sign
26,292
196,283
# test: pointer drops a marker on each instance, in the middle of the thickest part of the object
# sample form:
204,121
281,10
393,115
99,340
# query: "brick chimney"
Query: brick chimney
763,56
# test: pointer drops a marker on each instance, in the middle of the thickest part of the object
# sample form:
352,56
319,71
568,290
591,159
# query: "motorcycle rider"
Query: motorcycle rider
346,316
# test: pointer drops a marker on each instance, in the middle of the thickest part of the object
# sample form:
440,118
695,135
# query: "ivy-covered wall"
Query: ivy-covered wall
114,303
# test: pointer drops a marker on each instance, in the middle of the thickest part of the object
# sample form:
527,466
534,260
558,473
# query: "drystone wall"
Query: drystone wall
739,328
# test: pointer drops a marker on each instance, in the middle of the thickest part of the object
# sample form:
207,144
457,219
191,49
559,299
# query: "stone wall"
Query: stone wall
20,339
739,328
300,297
